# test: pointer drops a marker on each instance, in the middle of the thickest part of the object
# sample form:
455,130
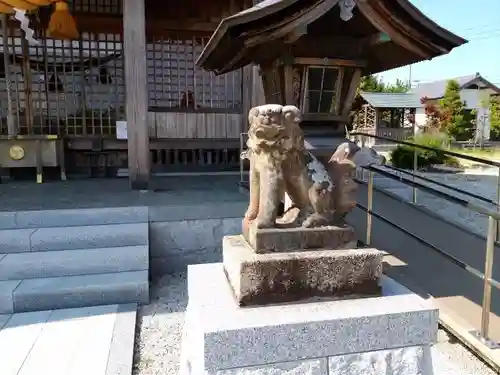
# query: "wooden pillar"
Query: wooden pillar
258,97
351,93
287,96
134,39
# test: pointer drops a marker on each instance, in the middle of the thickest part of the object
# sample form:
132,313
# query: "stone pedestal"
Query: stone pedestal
275,240
386,335
260,279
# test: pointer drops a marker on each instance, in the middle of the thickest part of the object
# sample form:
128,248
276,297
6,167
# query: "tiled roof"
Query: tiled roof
435,90
392,100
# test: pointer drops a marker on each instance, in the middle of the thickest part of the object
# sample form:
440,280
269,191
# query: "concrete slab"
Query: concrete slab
79,291
17,338
69,342
73,262
47,355
121,352
94,344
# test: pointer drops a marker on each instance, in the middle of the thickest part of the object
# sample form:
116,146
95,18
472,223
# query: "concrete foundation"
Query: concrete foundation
387,335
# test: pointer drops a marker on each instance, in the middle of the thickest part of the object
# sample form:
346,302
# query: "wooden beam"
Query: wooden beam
308,16
351,93
134,38
389,25
156,27
295,34
332,62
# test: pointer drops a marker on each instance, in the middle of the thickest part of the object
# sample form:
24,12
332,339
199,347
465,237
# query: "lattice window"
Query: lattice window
64,87
322,89
97,6
175,82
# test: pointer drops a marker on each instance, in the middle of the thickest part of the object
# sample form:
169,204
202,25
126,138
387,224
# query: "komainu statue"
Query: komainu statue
280,166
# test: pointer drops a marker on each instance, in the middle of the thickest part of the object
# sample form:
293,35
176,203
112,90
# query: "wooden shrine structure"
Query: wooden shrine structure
312,54
392,115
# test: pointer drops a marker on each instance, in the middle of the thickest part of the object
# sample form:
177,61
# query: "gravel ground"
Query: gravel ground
482,182
160,324
159,328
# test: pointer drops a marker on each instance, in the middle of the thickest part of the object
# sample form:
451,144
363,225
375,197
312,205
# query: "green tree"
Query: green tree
453,117
494,107
371,83
399,86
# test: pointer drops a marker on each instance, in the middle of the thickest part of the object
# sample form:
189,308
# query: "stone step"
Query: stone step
6,291
15,240
80,291
73,217
39,264
70,238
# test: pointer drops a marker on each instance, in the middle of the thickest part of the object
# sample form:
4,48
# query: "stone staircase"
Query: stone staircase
57,259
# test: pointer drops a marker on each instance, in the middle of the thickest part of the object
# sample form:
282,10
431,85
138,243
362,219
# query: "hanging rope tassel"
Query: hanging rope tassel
62,25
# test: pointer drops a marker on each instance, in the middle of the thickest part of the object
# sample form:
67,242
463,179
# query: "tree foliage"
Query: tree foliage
454,119
494,107
433,116
371,83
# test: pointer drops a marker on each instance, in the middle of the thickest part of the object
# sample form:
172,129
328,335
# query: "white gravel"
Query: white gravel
160,324
482,182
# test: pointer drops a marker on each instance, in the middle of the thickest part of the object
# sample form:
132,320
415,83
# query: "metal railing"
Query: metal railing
492,232
363,136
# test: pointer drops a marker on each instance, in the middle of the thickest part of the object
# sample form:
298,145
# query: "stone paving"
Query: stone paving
84,341
116,192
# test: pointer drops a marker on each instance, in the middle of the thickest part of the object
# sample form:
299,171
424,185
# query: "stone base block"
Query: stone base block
275,240
383,335
262,279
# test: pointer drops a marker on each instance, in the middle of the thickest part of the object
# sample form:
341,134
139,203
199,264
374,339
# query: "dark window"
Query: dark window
322,84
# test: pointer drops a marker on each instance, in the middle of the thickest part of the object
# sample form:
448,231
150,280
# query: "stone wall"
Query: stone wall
182,235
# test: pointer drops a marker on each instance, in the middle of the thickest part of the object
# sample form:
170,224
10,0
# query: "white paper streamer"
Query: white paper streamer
20,15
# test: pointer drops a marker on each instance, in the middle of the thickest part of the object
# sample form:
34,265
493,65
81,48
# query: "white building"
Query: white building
475,91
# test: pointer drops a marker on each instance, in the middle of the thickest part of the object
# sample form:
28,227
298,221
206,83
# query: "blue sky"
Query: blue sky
477,21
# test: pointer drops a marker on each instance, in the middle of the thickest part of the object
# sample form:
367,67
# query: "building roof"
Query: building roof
436,89
262,33
392,100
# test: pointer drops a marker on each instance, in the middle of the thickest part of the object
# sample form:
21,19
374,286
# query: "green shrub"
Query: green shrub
433,139
402,156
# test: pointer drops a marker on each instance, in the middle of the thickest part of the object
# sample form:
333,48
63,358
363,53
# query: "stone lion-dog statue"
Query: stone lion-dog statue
281,167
